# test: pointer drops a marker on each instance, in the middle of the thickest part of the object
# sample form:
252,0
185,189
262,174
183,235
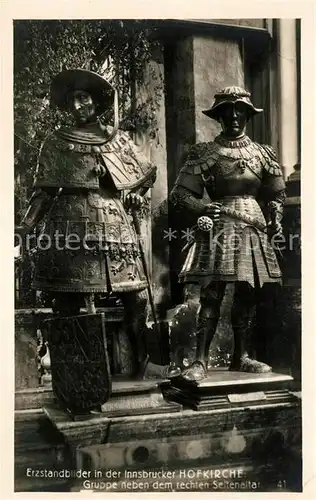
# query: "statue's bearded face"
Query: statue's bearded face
82,106
233,118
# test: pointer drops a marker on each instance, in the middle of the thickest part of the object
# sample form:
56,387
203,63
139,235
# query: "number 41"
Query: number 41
281,484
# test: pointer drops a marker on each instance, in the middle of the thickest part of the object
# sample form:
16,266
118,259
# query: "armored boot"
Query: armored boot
243,314
173,370
206,328
211,298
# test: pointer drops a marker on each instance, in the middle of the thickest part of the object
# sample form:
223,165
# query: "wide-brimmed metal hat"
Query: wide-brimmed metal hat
81,79
231,95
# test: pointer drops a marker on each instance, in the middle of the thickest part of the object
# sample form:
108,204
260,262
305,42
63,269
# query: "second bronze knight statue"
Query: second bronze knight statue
245,184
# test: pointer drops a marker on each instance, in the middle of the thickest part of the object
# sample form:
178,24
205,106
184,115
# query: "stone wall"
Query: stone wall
216,64
159,194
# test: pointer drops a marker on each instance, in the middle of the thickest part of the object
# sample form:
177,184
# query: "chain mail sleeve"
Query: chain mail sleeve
189,187
273,185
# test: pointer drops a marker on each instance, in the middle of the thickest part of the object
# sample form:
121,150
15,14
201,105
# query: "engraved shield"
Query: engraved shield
79,361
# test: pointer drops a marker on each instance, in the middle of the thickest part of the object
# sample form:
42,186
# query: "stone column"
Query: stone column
291,300
181,134
152,142
216,64
155,225
159,193
287,93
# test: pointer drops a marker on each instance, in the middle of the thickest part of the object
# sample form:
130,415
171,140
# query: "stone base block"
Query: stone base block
228,389
246,448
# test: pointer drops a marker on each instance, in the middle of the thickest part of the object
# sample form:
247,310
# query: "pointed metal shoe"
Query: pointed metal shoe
197,371
248,364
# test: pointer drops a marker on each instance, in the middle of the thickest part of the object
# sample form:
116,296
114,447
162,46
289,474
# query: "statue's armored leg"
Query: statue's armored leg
208,316
242,316
135,316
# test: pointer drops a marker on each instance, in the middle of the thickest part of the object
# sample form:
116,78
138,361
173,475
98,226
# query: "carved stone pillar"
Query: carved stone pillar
279,320
292,271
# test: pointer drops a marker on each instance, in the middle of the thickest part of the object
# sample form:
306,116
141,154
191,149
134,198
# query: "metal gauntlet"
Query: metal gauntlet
276,211
183,198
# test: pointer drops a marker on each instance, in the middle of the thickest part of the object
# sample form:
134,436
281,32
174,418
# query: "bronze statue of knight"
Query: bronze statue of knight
245,184
88,180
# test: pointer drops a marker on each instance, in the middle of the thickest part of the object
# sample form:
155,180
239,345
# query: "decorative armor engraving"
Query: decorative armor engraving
94,246
67,163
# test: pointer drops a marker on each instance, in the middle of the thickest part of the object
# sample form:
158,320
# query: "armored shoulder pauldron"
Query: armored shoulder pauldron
69,159
65,164
205,158
128,167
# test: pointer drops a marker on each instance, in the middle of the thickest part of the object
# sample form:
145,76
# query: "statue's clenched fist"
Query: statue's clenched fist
213,211
133,200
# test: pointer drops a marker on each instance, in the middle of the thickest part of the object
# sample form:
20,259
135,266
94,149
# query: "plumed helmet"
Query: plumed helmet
231,94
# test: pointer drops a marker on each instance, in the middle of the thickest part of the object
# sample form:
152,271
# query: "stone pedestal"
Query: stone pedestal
227,389
255,446
128,398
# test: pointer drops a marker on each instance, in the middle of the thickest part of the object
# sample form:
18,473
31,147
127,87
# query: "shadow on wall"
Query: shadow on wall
161,255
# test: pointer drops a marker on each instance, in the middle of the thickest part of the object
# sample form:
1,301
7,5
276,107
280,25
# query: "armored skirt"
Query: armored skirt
88,245
235,249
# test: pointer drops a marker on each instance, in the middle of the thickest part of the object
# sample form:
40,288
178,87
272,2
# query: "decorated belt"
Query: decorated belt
235,197
205,223
243,217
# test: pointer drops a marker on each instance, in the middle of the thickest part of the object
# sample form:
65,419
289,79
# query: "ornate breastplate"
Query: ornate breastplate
228,168
66,164
236,158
